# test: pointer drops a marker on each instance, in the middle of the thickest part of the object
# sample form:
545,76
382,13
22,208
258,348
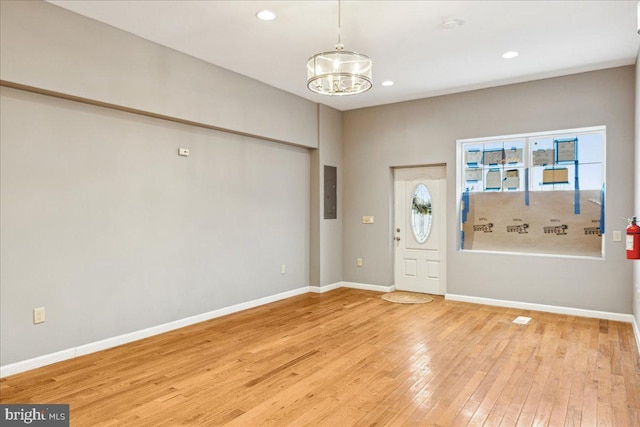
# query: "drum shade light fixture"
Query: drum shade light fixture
339,72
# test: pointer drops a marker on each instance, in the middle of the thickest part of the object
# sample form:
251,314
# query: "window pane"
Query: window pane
421,213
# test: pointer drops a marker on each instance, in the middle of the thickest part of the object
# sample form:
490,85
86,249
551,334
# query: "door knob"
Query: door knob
398,229
398,238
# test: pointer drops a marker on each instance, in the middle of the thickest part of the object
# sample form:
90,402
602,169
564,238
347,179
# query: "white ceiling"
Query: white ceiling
405,39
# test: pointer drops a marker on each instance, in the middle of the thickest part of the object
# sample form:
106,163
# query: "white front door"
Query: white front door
420,229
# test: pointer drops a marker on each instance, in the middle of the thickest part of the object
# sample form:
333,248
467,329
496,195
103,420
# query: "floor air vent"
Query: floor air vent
522,320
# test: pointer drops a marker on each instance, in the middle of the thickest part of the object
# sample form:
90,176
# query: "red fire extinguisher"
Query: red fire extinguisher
633,240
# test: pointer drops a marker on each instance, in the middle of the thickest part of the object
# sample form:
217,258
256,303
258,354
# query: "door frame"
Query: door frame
443,234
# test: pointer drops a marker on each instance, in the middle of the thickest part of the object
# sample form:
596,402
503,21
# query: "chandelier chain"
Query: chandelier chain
339,22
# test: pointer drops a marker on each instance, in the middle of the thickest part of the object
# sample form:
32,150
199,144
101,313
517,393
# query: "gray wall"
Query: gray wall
108,228
54,49
102,222
326,234
330,141
425,132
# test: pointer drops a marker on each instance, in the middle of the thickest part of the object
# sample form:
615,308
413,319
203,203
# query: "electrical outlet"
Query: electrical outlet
38,315
367,220
359,262
283,269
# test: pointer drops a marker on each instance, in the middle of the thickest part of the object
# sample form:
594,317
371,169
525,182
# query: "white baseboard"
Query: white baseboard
70,353
619,317
81,350
366,287
325,288
353,285
636,332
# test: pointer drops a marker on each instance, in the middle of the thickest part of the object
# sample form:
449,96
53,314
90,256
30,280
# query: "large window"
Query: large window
538,193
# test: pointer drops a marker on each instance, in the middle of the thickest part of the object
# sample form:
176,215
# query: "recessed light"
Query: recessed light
266,15
387,83
510,55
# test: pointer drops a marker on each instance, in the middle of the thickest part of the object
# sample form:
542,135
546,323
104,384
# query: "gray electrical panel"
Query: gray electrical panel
330,192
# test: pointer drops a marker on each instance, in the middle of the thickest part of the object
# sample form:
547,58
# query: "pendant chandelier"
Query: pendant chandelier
339,72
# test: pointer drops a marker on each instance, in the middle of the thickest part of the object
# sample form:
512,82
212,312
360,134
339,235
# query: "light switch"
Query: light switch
183,152
617,236
367,220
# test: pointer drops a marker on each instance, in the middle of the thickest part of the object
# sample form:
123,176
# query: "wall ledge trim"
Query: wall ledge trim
619,317
116,107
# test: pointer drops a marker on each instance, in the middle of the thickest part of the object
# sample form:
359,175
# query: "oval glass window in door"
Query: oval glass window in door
421,216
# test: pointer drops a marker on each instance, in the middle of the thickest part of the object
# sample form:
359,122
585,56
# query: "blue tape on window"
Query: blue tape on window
464,215
602,210
493,157
566,156
576,200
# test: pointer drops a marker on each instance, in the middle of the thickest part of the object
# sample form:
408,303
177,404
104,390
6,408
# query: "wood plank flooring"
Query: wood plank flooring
349,358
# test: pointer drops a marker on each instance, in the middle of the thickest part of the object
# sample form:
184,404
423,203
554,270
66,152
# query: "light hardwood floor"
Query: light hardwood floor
349,358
